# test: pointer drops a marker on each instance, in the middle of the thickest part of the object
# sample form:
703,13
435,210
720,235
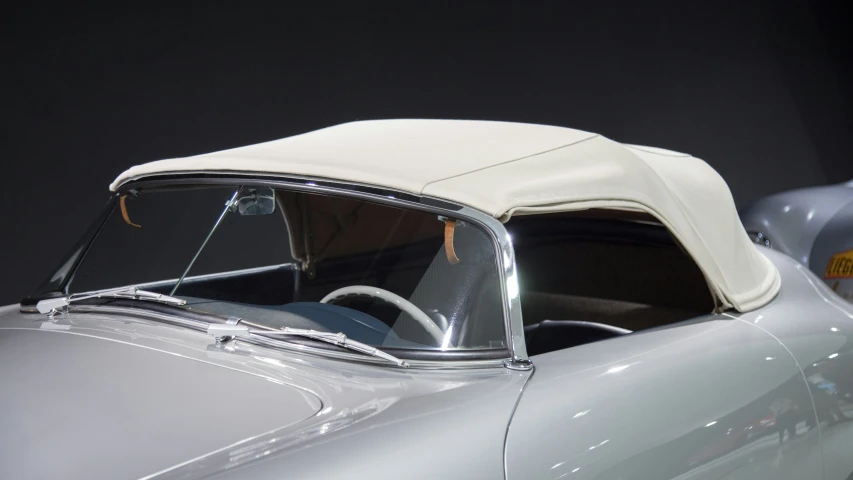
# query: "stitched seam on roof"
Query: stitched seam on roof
506,162
663,152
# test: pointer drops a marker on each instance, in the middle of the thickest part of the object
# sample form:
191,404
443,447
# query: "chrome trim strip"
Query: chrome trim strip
514,326
509,283
518,364
138,312
418,364
209,276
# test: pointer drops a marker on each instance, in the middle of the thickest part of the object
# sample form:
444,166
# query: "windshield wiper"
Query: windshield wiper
226,331
51,305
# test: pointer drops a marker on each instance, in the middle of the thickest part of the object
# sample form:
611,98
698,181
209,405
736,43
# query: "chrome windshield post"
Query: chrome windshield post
509,288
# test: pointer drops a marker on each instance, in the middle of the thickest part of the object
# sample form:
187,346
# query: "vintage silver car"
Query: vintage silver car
812,225
426,299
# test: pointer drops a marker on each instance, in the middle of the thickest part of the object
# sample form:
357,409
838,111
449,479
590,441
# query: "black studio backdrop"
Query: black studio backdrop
760,91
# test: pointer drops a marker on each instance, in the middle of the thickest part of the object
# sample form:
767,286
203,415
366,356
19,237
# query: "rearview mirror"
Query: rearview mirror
256,201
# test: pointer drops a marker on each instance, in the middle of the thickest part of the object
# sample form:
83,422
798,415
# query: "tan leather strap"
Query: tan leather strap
124,212
449,228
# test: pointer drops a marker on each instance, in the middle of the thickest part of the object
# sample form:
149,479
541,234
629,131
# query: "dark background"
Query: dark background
760,91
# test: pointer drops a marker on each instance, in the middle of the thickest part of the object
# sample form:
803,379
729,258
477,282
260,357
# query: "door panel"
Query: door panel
706,399
816,325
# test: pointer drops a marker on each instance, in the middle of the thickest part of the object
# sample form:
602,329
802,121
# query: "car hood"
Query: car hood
117,395
77,406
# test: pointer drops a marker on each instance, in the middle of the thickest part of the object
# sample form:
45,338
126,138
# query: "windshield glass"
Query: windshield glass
391,277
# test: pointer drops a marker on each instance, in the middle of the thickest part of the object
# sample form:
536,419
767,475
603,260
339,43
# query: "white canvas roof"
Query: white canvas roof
511,169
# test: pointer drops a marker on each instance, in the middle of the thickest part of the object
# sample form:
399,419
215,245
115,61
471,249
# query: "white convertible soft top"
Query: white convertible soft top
509,169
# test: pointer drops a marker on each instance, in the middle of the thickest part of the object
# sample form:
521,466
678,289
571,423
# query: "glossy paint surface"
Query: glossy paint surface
831,243
819,335
109,396
763,394
794,220
718,397
92,413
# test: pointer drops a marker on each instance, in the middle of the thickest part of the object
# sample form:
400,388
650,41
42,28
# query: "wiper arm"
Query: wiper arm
221,331
132,292
129,292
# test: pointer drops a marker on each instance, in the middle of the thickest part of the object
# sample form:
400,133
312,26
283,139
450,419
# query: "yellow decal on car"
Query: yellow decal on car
840,265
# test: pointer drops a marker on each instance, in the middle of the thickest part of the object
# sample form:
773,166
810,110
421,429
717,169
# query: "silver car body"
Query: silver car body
110,392
814,226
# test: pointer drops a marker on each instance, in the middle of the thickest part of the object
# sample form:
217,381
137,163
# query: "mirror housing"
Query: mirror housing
256,201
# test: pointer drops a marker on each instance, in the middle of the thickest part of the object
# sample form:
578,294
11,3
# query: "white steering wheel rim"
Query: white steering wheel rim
400,302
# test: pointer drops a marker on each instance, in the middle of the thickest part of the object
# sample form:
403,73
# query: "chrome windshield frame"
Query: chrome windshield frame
505,255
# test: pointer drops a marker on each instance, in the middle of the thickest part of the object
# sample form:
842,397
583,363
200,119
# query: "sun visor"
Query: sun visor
322,227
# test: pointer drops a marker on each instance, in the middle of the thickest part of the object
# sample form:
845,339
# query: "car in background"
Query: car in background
812,225
426,299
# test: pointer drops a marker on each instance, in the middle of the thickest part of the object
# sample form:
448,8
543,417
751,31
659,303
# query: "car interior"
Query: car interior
338,242
583,276
597,274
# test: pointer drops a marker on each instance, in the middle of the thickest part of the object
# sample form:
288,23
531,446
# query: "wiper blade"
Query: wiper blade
51,305
129,292
222,331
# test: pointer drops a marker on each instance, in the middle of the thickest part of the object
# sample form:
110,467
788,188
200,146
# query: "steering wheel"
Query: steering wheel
391,298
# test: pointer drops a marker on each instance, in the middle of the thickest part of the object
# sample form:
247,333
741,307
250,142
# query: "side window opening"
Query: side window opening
596,274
